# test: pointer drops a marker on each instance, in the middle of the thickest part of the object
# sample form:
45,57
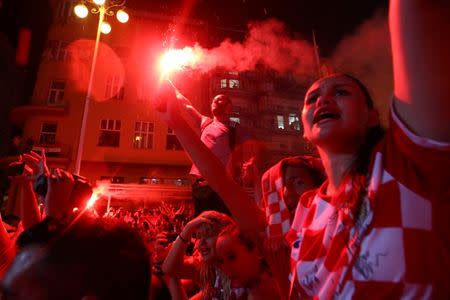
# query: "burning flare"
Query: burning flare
97,192
178,59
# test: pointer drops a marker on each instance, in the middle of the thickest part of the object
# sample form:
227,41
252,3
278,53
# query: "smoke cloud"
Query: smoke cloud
267,43
366,54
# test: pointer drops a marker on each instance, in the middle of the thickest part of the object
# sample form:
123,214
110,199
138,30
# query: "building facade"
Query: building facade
125,142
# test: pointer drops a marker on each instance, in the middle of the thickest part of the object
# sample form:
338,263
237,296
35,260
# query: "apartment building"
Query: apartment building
125,142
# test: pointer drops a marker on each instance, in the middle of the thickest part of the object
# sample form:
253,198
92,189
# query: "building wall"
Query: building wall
128,51
128,54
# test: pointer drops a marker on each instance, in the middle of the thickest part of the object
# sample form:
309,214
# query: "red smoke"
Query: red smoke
267,43
366,54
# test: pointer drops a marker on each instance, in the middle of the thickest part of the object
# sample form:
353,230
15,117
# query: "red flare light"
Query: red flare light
177,59
97,192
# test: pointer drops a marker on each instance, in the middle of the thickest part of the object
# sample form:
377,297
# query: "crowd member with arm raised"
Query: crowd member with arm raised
244,210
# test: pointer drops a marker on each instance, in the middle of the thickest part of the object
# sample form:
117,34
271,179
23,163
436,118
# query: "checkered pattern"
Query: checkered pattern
397,246
277,213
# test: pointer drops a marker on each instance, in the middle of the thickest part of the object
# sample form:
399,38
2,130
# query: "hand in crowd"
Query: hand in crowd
250,172
38,163
160,252
57,200
22,200
26,173
192,225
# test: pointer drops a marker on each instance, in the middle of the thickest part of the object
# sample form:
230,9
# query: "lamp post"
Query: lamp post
104,9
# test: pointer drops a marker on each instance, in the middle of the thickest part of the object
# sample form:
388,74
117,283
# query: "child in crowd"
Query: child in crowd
240,258
203,270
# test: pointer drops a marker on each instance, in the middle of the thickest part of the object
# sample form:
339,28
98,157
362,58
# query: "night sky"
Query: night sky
331,20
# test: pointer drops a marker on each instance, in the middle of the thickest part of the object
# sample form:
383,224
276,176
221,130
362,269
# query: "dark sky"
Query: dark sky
330,19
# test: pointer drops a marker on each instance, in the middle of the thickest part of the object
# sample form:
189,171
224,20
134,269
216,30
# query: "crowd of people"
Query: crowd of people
367,218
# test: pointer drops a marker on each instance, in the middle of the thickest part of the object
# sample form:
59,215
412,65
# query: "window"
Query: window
62,51
172,142
223,83
105,178
48,133
280,122
229,83
294,122
56,93
143,135
144,180
114,88
58,50
109,133
233,83
235,119
118,179
65,9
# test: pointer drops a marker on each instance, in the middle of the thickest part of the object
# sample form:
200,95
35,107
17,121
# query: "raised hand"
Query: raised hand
192,225
26,172
38,163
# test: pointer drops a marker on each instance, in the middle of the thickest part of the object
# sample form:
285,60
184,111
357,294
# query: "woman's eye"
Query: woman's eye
311,99
341,92
298,182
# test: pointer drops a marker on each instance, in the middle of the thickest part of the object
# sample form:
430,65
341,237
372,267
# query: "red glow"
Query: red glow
177,59
23,46
109,70
98,191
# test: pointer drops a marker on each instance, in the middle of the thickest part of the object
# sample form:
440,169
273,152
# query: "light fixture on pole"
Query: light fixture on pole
104,9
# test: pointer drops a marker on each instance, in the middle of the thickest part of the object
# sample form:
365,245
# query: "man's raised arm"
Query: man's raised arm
420,31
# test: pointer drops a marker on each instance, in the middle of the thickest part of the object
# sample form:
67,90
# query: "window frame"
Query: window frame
171,135
109,128
56,95
147,136
113,89
279,122
44,135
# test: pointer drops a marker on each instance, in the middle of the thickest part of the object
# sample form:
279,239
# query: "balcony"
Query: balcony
20,114
53,150
57,154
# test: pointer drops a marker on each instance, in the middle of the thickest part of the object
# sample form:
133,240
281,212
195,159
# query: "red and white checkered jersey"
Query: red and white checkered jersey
277,213
273,202
396,246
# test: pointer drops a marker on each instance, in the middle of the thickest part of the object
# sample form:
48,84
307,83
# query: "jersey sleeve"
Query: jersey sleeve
417,162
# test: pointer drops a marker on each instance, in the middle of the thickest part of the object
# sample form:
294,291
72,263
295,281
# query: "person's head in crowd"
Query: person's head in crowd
339,116
239,256
206,234
221,107
300,174
91,258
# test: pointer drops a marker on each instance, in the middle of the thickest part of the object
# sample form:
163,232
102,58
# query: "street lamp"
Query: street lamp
104,9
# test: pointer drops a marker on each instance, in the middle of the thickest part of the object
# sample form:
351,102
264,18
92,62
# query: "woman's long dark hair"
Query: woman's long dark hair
374,134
